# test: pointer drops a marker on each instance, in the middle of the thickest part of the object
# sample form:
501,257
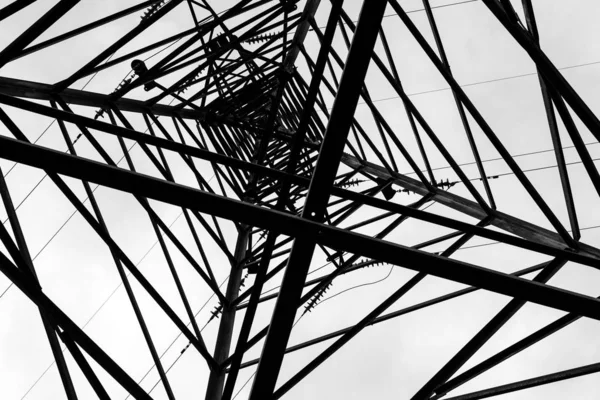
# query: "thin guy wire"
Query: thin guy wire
391,269
173,342
113,292
473,179
72,214
358,286
500,158
385,99
242,388
96,312
476,83
371,283
74,142
492,243
489,81
52,123
413,11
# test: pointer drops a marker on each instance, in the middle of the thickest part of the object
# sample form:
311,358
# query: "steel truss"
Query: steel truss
224,98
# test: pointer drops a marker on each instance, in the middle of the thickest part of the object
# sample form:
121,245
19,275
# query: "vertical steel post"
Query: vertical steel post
332,148
217,377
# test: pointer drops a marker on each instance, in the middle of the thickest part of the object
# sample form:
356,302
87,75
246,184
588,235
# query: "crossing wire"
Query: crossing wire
489,81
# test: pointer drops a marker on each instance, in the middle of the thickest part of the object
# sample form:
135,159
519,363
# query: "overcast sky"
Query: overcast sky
390,360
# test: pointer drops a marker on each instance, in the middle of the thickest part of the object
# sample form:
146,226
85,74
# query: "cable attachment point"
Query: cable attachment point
216,312
350,183
152,10
316,298
262,38
243,281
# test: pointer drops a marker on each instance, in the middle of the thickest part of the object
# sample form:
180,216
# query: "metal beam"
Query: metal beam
35,30
14,7
393,314
481,337
504,221
530,383
315,205
291,225
42,91
58,317
23,252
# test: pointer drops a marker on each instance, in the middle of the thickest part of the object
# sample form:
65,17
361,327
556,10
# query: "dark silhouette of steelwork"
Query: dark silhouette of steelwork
225,92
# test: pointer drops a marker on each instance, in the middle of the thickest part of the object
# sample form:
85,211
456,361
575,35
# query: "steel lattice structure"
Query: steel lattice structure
264,100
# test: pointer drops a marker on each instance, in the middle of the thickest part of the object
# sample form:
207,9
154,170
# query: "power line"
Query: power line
415,11
39,182
358,286
97,310
186,347
75,141
74,211
173,342
242,388
112,293
366,284
329,262
311,272
500,158
493,243
53,121
512,173
542,168
114,290
392,267
478,83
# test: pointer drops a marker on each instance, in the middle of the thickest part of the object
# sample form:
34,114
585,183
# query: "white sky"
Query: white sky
389,360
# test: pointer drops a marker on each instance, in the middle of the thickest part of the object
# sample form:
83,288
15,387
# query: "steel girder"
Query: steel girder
281,135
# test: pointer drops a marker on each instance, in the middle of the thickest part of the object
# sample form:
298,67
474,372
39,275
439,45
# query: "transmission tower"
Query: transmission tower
230,166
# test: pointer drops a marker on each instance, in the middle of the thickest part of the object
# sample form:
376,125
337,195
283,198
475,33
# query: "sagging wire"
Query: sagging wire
366,262
311,272
317,298
361,285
